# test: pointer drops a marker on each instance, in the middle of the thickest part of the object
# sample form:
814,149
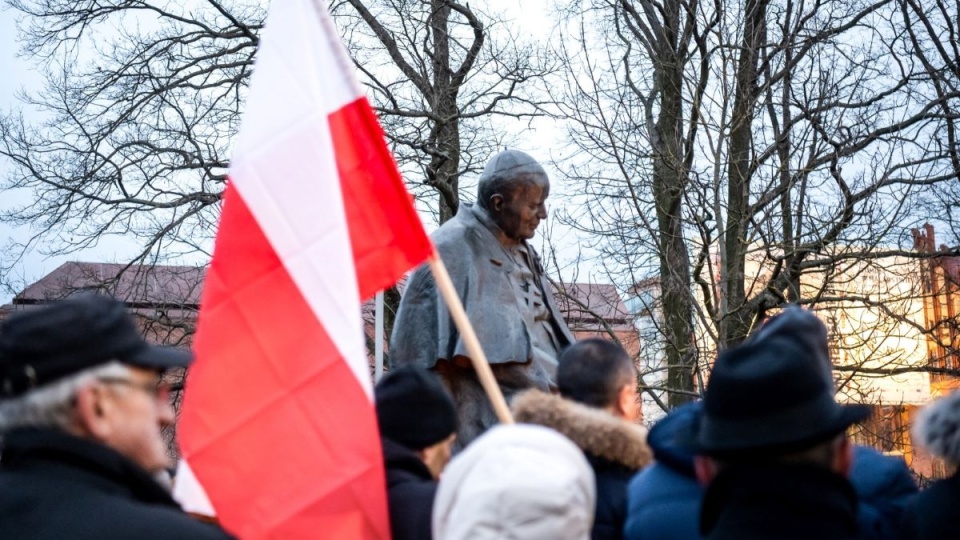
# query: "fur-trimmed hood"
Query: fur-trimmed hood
595,431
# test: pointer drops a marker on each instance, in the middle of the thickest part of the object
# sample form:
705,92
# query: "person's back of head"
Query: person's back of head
771,442
937,428
599,373
415,411
516,482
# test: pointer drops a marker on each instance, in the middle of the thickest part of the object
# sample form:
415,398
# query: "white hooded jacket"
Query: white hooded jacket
516,482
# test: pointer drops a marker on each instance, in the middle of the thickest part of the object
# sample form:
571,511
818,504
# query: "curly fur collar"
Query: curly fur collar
594,430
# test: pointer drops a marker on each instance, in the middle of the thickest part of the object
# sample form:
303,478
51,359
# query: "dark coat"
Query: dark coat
664,499
612,479
935,513
615,449
410,493
779,501
56,486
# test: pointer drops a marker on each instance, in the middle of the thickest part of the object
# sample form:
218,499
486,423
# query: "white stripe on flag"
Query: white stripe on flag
303,216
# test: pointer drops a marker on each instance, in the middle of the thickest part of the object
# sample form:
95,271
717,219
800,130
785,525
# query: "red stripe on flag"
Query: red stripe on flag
275,424
385,232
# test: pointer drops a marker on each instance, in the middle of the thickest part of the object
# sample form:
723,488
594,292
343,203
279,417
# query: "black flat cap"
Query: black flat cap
42,345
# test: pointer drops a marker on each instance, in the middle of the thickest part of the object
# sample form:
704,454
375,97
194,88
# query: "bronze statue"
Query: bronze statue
500,281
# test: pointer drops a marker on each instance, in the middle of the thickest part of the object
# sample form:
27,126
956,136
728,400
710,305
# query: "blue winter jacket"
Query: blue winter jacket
663,500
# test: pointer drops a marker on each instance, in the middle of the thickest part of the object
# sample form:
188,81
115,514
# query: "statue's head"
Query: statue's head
513,190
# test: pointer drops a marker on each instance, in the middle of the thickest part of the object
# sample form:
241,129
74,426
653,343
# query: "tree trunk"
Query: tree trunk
736,317
669,183
444,141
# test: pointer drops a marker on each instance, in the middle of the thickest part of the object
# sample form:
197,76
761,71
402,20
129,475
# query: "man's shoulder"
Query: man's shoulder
463,238
412,497
91,513
455,228
174,523
163,522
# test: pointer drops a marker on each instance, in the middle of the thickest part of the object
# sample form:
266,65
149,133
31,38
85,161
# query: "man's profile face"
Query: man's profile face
519,211
437,456
632,408
140,409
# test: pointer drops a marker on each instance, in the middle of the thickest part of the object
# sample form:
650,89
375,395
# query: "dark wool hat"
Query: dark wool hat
42,345
774,392
413,408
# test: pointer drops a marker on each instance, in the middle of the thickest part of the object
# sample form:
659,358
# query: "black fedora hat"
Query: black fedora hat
44,344
774,393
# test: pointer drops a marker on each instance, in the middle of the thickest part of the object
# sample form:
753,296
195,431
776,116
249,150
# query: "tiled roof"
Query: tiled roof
137,285
588,302
181,286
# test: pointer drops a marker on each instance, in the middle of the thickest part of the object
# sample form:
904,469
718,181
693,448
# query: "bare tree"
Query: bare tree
783,145
136,124
449,81
142,98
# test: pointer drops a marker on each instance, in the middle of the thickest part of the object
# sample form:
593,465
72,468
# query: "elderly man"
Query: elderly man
500,280
82,404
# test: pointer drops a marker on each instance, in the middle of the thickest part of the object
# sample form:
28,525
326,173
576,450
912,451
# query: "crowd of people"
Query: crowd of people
764,454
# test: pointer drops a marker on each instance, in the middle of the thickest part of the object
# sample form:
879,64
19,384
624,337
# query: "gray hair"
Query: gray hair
937,428
51,405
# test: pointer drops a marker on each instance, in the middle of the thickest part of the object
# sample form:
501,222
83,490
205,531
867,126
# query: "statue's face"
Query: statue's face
518,212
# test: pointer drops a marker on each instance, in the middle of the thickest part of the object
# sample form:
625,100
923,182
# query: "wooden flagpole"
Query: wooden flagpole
480,364
378,338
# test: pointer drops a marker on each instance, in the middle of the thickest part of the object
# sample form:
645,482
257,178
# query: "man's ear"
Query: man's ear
497,200
91,412
706,469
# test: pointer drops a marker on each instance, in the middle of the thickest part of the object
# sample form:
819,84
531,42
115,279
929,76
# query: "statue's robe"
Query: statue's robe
510,304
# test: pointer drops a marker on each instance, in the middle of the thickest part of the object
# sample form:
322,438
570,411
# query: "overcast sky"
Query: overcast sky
16,74
19,74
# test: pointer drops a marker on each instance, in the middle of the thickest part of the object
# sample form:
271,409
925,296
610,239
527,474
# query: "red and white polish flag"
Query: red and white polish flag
278,424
